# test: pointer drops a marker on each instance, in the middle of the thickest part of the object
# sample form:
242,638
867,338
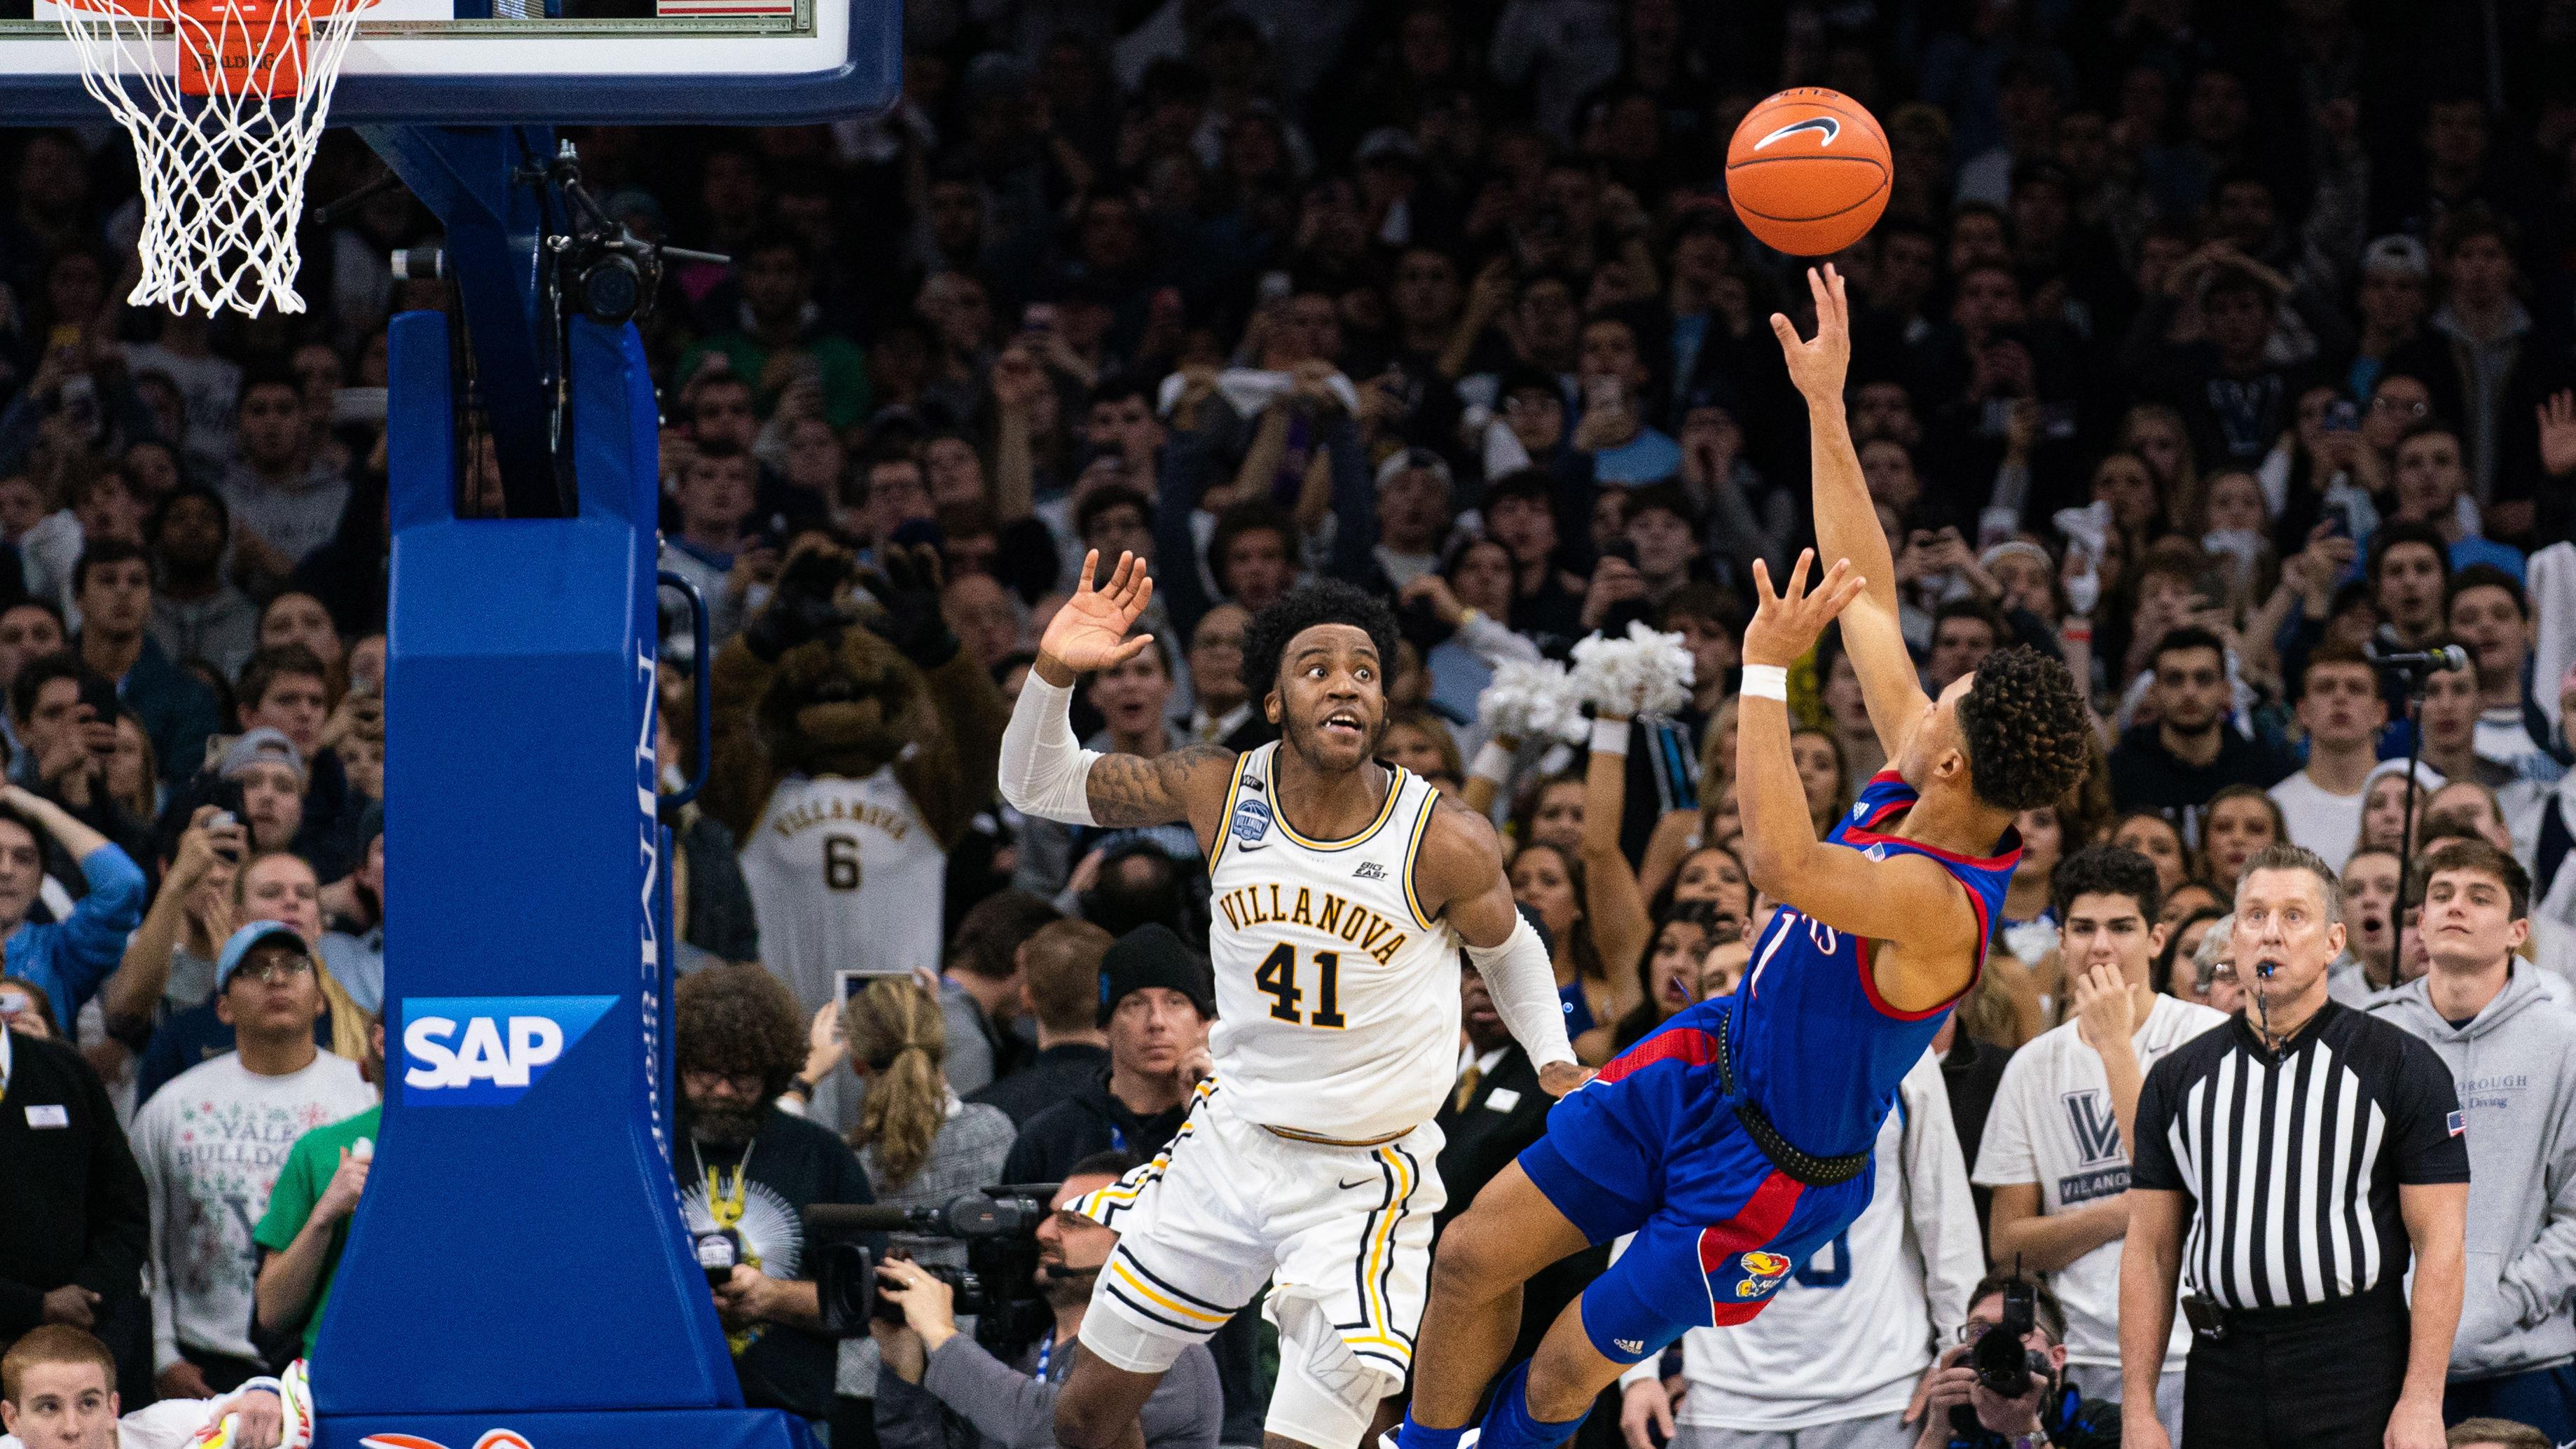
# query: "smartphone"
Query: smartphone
1276,288
1040,317
351,405
80,404
230,809
99,693
2342,416
2338,518
1604,392
851,983
1623,550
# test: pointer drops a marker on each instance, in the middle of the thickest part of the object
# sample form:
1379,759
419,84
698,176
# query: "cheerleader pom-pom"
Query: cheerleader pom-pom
1532,701
1645,673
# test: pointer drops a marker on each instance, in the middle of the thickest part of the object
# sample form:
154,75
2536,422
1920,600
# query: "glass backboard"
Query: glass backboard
745,62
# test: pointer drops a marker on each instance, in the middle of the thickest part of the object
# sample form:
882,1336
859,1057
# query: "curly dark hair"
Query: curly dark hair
2106,870
2025,726
1326,601
738,1018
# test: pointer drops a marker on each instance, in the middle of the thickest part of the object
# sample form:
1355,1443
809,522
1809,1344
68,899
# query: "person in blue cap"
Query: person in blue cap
212,1145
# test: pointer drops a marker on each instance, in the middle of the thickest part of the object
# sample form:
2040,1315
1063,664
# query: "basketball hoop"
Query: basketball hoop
225,100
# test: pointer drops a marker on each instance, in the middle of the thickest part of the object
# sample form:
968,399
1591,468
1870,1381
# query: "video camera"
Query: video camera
997,1287
2004,1362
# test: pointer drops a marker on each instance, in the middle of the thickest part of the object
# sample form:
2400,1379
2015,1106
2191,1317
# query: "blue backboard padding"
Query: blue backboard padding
866,84
701,1429
528,1257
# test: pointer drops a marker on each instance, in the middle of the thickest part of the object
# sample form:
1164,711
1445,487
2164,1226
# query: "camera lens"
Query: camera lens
611,289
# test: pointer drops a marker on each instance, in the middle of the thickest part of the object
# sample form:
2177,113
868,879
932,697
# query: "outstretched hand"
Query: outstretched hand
1787,625
1090,631
1819,365
1558,1078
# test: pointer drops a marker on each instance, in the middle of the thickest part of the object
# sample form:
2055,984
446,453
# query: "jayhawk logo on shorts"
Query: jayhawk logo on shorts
1767,1270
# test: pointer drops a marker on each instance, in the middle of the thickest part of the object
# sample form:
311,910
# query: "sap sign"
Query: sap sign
487,1051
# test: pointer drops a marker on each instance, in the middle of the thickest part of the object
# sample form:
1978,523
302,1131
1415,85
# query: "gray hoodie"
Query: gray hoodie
2516,1076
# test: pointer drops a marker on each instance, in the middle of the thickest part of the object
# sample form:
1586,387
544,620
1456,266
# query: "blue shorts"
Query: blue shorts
1652,1147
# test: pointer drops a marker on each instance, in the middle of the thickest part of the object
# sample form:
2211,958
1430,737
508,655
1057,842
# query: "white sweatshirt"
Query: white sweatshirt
210,1144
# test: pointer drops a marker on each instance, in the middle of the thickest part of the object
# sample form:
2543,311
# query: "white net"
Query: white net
225,100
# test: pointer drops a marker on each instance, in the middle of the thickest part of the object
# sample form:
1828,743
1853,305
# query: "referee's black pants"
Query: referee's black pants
2319,1377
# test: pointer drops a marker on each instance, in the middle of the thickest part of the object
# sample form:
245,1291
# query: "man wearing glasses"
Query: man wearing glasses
2050,1413
211,1145
747,1173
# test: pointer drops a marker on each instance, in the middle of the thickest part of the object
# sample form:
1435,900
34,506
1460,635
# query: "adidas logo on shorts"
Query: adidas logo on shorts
1630,1345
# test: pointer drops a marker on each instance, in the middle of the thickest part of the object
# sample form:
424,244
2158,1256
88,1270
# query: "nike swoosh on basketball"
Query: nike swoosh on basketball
1827,124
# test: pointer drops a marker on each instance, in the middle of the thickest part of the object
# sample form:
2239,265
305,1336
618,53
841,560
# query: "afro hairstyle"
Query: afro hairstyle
2025,724
738,1019
1326,601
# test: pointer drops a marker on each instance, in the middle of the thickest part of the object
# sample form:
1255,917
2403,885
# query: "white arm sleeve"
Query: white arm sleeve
1045,771
1522,982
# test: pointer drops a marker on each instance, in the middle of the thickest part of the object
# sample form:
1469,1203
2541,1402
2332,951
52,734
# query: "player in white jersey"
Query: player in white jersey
1342,891
1833,1363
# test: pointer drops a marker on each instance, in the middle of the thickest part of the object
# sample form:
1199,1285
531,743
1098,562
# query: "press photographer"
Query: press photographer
2005,1386
943,1390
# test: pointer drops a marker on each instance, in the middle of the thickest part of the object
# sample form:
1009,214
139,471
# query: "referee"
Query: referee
2287,1165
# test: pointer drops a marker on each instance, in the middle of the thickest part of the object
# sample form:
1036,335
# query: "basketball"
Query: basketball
1808,171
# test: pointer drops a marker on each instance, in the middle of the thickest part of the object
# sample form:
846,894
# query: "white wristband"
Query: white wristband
1610,737
1493,762
1765,681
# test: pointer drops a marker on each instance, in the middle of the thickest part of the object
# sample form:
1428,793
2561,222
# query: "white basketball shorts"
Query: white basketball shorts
1343,1230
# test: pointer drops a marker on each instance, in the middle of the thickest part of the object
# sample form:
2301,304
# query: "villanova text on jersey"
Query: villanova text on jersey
1268,903
796,820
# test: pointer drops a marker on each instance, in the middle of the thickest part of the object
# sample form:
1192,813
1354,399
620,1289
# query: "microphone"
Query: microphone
2450,657
871,1218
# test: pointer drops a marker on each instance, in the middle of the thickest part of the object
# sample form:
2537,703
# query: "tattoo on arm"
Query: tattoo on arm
1134,790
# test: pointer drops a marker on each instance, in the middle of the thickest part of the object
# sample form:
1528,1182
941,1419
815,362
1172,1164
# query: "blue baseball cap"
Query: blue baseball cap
249,938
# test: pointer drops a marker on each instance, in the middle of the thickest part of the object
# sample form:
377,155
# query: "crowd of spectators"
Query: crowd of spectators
2213,349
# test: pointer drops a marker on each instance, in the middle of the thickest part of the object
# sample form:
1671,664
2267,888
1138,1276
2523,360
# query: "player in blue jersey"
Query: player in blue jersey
1735,1140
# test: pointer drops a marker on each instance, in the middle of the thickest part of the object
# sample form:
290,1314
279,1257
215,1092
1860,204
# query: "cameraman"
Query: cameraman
2050,1413
930,1365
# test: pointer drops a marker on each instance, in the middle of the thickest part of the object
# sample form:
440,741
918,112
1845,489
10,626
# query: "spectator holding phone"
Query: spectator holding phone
66,725
70,958
112,585
171,956
1613,428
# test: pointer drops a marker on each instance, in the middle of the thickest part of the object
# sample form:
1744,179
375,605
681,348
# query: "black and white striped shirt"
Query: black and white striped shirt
2293,1163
